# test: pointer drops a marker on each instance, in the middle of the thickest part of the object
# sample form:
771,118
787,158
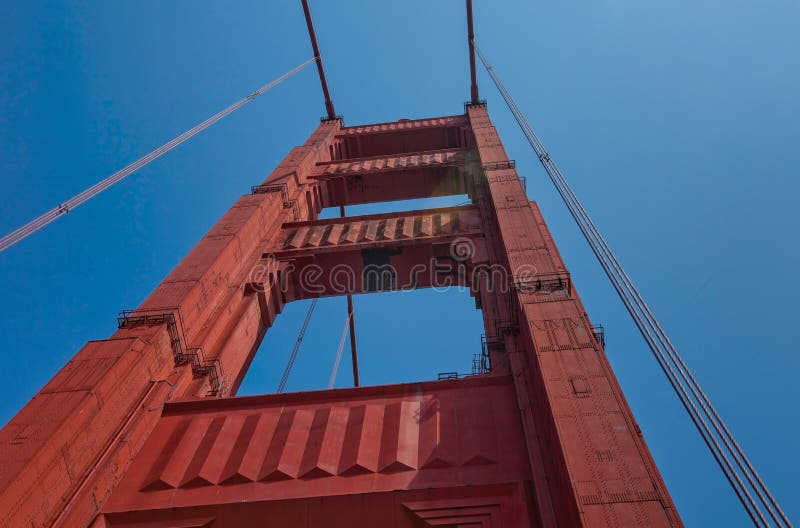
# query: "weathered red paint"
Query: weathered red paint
142,429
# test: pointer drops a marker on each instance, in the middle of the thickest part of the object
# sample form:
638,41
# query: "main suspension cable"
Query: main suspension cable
677,372
41,221
690,407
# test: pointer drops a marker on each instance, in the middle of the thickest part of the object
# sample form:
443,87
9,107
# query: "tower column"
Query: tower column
63,453
598,470
143,428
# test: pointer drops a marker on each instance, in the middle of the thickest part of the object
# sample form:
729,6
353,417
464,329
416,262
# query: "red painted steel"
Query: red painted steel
444,435
590,463
395,177
142,429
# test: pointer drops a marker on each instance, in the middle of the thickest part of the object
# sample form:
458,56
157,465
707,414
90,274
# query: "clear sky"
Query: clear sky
676,122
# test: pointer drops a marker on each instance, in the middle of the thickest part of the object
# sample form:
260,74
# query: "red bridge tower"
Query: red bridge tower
142,429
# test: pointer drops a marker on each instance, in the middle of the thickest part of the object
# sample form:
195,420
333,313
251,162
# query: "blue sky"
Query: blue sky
676,123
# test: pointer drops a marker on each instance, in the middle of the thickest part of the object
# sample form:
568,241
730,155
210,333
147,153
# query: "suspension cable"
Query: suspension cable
690,407
672,364
296,349
41,221
339,352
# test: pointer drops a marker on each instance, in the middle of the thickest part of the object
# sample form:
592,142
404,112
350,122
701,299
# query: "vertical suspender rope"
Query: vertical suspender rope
666,354
289,364
288,369
312,34
331,114
339,352
38,223
351,317
473,76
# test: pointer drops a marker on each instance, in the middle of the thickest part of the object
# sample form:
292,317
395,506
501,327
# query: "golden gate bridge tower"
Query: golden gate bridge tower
144,428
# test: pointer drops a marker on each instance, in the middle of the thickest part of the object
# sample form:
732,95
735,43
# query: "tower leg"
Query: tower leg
590,464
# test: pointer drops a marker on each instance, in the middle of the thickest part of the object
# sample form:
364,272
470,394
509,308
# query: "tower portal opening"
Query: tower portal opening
433,331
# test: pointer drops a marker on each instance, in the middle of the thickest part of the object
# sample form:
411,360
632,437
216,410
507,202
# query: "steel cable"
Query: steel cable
43,220
756,483
289,364
339,352
664,351
635,308
560,182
